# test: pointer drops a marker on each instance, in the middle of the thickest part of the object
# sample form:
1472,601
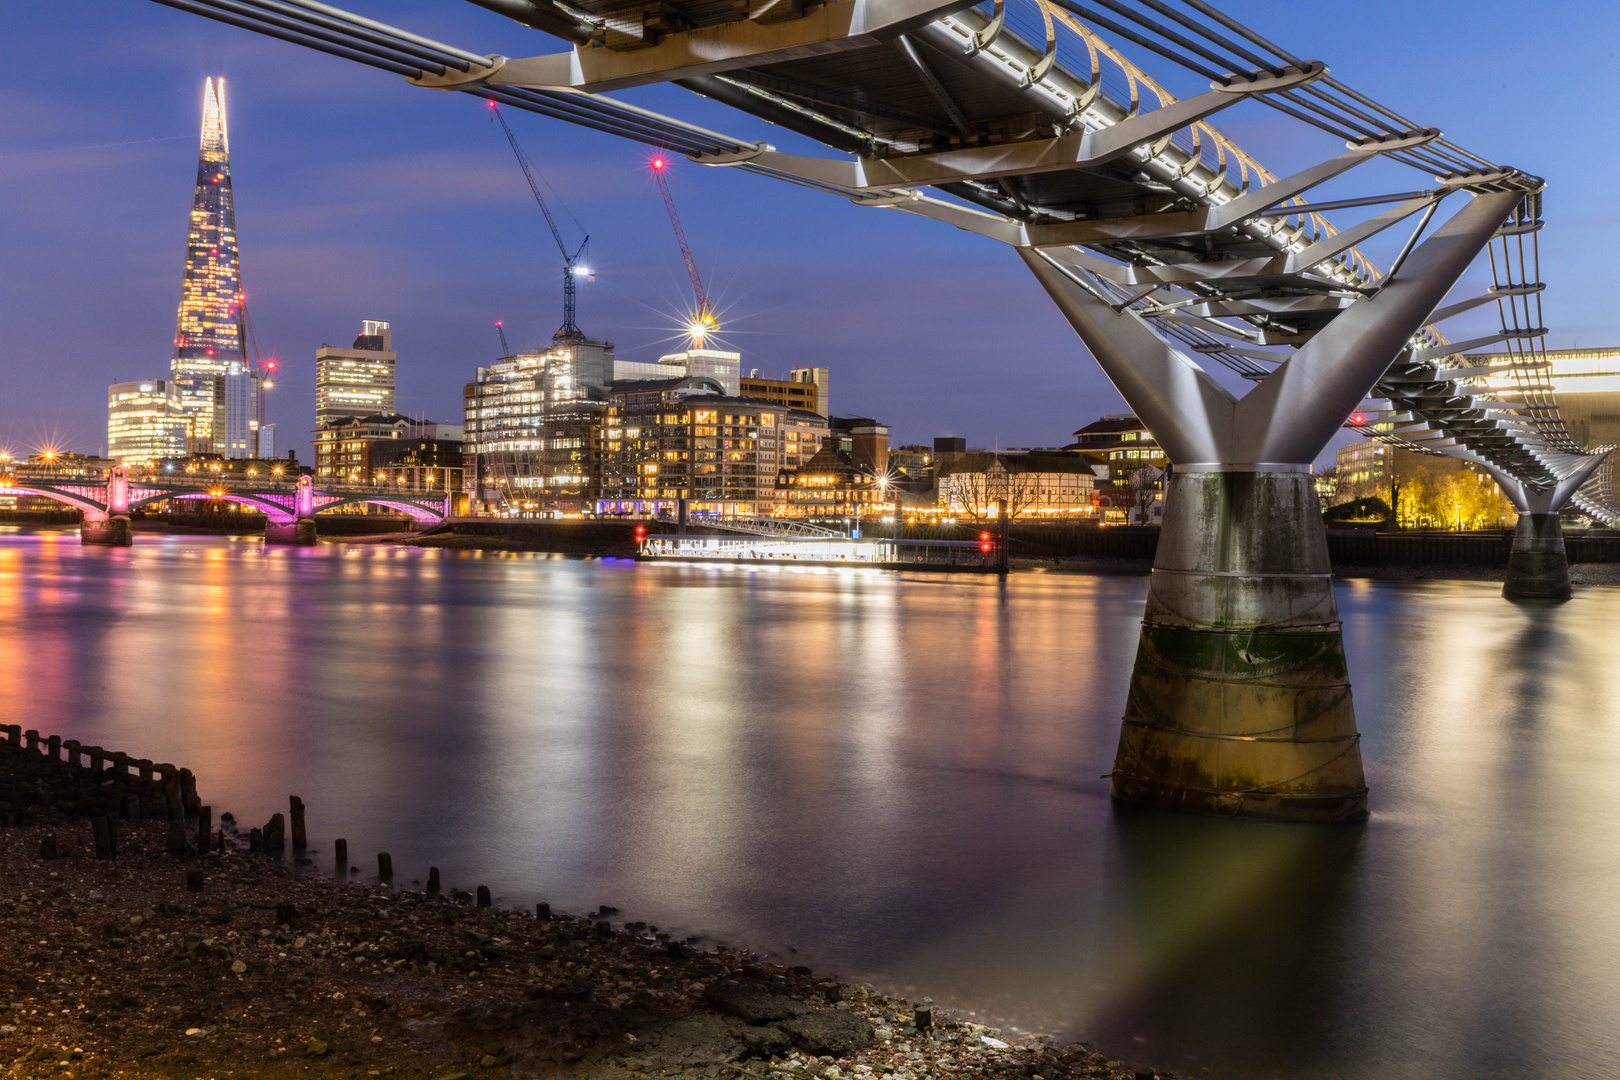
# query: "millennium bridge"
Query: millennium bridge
289,508
1237,321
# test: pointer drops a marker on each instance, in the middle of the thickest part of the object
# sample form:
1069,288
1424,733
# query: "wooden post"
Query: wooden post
98,829
14,734
255,839
98,760
188,790
385,866
177,837
275,833
542,912
112,835
483,896
53,748
146,769
31,740
297,816
74,753
340,856
433,881
205,827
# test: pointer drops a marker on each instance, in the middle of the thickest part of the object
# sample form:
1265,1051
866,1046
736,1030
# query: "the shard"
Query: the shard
209,345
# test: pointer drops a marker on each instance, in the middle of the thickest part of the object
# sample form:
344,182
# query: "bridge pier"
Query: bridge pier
1240,702
300,533
112,530
1538,565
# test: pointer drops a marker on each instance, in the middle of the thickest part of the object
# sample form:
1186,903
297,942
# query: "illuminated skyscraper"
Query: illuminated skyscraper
359,380
208,333
144,421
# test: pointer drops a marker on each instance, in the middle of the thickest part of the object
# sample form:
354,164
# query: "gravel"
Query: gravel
115,968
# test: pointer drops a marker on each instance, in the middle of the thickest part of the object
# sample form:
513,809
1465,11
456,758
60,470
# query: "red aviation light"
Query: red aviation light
1358,419
658,164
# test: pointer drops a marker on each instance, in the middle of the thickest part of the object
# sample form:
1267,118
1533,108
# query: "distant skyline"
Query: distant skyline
359,197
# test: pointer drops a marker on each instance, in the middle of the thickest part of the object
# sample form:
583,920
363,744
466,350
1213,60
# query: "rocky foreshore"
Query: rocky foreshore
126,957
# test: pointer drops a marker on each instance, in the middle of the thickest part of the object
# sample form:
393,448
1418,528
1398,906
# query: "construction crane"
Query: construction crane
500,328
702,322
571,269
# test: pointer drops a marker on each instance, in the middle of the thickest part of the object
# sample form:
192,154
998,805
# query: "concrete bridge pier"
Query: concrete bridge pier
301,530
1538,565
1240,701
106,530
110,527
300,533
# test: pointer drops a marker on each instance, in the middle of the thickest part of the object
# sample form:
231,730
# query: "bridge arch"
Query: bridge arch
275,511
422,511
93,510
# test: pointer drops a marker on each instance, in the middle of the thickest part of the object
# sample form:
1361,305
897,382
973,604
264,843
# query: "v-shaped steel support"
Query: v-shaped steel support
1287,419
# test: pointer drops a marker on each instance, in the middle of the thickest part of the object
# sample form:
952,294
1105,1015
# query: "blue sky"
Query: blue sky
361,197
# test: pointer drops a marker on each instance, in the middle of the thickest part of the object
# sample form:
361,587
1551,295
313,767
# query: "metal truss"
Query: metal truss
1028,121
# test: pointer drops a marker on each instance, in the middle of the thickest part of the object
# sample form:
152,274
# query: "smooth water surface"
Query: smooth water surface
899,777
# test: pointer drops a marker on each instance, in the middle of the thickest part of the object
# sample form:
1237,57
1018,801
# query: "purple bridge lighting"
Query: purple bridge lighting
289,509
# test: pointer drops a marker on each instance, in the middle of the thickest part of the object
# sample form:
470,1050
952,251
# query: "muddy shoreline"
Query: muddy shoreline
158,961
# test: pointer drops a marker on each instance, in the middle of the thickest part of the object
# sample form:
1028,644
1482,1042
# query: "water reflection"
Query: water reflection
898,777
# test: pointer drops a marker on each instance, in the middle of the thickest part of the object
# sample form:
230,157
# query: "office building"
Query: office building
1587,382
236,412
208,334
145,421
818,377
346,449
533,424
665,441
426,457
793,394
358,380
267,441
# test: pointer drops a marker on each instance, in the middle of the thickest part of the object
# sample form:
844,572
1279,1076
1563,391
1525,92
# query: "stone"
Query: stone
829,1032
769,1041
752,1004
238,967
315,1048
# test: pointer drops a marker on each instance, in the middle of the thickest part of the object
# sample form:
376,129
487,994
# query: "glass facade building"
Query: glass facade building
533,429
145,421
208,332
359,380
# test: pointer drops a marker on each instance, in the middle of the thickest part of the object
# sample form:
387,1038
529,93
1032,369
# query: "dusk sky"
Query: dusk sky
359,197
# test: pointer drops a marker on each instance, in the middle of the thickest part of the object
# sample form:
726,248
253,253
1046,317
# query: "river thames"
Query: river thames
893,778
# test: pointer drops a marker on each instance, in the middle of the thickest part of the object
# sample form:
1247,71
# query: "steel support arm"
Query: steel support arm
1292,413
833,27
1188,411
